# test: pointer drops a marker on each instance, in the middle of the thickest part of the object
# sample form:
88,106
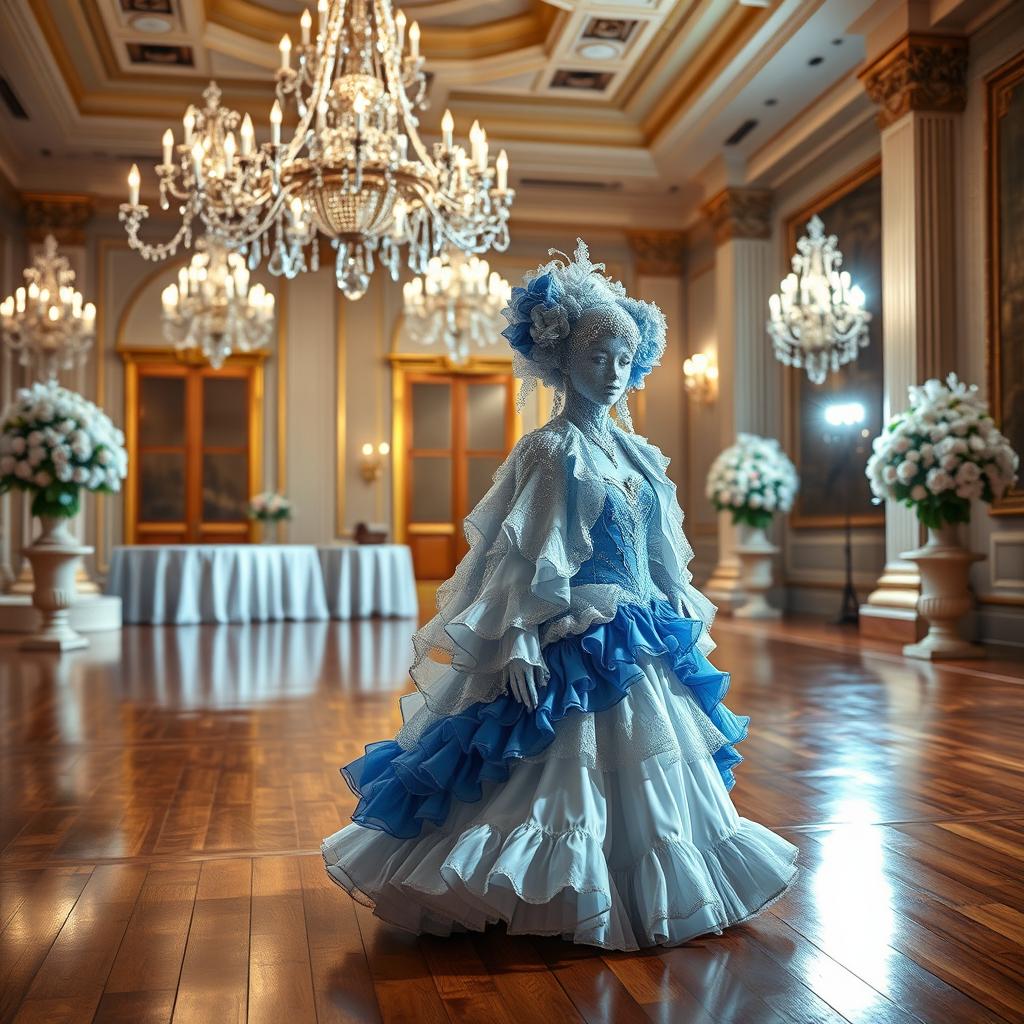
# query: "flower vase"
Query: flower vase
756,554
945,598
54,556
269,533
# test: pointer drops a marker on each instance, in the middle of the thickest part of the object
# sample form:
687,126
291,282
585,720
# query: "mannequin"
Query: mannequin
565,762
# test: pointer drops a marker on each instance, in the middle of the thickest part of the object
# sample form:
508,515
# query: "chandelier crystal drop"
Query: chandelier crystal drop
458,301
818,321
45,320
353,169
213,308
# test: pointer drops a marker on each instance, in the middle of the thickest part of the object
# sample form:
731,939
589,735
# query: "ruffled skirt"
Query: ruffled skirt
614,829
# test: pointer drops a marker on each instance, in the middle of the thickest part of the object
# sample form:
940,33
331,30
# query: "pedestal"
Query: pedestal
945,597
756,554
54,557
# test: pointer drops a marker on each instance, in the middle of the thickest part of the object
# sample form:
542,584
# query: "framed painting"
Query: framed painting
832,480
1005,285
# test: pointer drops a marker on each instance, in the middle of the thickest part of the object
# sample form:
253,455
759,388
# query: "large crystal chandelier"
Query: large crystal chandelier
457,301
213,309
353,169
818,320
45,320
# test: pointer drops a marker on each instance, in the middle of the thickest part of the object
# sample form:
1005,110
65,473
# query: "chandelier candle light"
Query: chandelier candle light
700,375
818,321
212,307
45,320
354,168
458,301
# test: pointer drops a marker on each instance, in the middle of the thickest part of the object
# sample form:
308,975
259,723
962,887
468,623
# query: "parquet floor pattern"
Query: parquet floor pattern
163,796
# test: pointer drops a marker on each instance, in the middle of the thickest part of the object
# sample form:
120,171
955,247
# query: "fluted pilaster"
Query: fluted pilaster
921,89
748,384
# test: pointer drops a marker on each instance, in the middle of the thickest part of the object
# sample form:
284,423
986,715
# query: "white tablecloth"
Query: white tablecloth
369,579
191,583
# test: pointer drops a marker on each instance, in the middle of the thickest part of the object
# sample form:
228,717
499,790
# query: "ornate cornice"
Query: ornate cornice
740,213
919,73
63,216
659,253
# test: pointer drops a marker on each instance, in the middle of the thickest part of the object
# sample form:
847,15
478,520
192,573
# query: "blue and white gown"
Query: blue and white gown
603,816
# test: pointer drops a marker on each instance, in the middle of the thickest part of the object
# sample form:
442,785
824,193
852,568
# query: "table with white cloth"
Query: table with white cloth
369,579
183,584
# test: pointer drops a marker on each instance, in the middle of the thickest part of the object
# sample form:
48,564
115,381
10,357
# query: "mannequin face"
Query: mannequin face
600,371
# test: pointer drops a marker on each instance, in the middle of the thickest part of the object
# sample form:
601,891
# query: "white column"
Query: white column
916,84
748,375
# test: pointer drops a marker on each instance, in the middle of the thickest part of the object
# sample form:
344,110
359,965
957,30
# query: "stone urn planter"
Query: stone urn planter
945,567
54,556
756,554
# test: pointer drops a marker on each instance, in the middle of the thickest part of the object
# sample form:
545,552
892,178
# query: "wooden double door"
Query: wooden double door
459,429
193,438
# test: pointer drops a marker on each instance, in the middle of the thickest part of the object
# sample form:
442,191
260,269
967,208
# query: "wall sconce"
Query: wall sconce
372,463
700,373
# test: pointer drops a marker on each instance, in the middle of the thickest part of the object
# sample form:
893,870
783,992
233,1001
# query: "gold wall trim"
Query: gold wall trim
281,469
341,403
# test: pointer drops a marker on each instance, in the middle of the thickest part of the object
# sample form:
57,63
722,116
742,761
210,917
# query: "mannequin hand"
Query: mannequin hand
524,680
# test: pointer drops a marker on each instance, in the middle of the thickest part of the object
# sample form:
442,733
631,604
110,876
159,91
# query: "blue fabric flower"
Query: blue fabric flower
540,295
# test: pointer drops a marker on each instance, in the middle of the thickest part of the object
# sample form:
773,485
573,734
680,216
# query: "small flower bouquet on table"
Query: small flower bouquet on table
269,507
937,457
753,479
54,444
941,454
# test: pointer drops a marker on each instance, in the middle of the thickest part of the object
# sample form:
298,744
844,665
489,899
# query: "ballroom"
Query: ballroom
435,435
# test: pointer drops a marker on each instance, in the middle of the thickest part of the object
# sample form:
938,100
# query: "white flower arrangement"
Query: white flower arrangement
269,507
55,443
753,479
941,454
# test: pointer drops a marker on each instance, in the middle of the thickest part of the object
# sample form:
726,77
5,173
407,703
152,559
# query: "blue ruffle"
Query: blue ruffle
400,789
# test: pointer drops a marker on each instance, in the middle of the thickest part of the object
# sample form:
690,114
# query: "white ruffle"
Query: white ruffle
644,853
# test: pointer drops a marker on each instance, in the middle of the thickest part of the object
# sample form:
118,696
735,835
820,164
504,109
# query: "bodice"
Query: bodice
619,539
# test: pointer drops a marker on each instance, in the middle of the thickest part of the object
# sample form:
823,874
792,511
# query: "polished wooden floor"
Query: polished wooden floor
163,795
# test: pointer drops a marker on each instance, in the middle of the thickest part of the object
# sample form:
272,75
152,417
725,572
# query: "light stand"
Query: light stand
845,418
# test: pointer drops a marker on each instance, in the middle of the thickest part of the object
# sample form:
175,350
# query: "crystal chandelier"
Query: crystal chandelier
213,309
458,301
818,320
353,169
45,320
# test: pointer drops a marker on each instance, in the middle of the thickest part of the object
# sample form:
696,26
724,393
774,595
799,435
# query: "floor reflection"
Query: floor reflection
217,667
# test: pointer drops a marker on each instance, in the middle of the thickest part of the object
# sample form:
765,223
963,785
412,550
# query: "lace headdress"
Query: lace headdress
566,304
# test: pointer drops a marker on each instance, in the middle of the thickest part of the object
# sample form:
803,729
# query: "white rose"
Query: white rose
23,470
967,473
901,444
950,461
7,464
938,480
42,479
18,445
919,492
906,471
889,474
913,455
35,456
64,472
80,475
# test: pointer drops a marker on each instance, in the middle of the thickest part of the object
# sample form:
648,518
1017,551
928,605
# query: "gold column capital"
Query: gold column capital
740,213
63,216
920,72
659,253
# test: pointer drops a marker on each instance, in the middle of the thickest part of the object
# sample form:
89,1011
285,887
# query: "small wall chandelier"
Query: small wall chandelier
458,301
818,321
354,168
213,309
45,320
700,375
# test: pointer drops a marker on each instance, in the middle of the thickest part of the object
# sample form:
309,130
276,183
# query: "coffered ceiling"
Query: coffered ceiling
640,100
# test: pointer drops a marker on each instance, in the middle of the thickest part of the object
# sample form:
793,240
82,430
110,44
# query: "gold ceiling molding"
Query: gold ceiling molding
920,72
659,253
658,110
63,216
740,213
436,42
